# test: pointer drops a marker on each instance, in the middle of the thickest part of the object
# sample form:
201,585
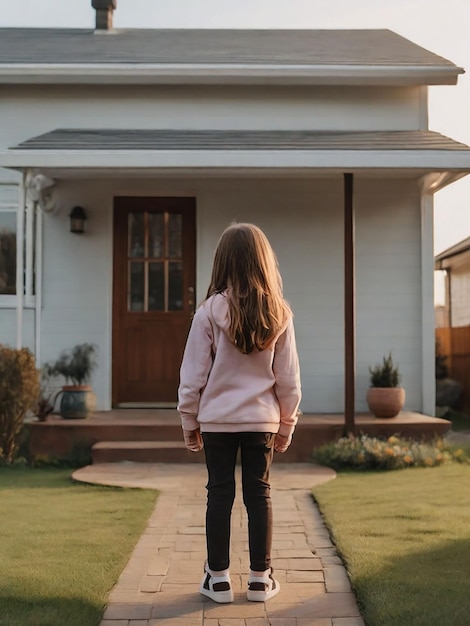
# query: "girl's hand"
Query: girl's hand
193,440
281,443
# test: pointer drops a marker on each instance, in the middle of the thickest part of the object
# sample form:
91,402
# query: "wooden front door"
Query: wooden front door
153,297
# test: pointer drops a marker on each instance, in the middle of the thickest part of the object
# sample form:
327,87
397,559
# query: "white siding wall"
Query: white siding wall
303,220
460,306
389,283
30,111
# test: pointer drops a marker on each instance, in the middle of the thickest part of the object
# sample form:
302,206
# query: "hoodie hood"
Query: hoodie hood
218,310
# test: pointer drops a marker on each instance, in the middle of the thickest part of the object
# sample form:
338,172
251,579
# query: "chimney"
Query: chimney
104,13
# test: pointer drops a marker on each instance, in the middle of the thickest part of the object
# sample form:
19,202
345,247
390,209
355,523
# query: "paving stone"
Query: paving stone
115,622
291,554
138,622
283,621
348,621
331,560
151,584
319,541
180,621
129,597
309,563
306,576
229,621
237,609
191,590
324,605
177,609
160,563
297,593
306,621
129,611
336,579
291,530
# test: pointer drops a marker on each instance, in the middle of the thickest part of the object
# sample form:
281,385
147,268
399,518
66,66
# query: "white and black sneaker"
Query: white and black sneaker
262,588
217,588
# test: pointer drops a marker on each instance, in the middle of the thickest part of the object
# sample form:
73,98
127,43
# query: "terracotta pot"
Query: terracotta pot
385,401
77,402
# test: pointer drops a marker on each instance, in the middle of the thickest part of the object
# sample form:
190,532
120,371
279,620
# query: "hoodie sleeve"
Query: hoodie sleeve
287,375
195,369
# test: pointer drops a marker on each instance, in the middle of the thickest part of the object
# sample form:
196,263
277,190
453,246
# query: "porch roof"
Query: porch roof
80,150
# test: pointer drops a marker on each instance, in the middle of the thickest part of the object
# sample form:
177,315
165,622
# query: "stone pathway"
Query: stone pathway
160,584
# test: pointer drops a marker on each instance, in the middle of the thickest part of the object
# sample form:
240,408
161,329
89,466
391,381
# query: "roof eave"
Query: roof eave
449,257
126,73
354,160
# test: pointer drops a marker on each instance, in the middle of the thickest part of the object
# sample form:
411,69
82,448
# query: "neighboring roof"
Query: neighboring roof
420,151
150,139
444,259
302,53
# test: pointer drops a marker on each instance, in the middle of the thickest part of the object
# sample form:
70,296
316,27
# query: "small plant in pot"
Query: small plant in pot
385,397
76,366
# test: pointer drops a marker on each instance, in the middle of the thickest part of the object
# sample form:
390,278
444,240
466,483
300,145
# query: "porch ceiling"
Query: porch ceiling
252,152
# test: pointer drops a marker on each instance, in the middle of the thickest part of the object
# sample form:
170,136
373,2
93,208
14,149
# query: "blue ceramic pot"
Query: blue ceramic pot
77,402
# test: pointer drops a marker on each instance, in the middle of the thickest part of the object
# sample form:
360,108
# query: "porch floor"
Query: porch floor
58,437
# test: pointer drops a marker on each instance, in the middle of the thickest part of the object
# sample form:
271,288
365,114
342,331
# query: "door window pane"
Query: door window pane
156,287
136,235
175,286
156,235
175,236
7,252
137,286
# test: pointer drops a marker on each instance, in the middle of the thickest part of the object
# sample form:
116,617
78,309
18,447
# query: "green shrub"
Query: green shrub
19,392
384,375
369,453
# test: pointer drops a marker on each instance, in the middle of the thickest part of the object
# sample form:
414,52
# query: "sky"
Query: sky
441,26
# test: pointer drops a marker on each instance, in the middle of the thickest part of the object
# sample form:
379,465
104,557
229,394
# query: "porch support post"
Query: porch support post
428,339
20,263
349,307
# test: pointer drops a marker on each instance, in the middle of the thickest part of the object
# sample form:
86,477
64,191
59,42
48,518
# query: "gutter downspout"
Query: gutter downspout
20,263
38,301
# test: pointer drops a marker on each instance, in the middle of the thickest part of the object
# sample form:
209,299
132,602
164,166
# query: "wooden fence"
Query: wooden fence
454,343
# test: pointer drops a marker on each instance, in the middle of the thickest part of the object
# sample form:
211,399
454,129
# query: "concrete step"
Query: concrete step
144,452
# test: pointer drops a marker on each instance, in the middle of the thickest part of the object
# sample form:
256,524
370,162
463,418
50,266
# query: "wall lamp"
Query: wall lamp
77,220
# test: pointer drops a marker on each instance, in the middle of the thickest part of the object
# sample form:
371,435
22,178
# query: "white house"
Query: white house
164,137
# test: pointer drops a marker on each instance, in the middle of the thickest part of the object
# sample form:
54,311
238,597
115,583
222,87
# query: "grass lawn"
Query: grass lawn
405,536
63,545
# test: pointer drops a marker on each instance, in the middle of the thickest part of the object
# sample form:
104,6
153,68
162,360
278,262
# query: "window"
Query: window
7,251
9,241
155,261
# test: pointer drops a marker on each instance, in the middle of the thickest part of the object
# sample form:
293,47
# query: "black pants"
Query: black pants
256,457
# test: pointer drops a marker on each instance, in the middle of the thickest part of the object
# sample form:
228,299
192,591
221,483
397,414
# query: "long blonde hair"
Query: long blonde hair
246,268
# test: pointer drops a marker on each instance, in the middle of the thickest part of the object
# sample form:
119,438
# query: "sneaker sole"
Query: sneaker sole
222,597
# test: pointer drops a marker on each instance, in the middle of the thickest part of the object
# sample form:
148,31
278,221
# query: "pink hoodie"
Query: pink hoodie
223,390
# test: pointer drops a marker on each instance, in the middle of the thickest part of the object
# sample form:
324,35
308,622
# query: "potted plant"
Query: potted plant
385,397
76,366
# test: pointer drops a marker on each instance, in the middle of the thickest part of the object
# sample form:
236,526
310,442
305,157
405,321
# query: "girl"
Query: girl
240,389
